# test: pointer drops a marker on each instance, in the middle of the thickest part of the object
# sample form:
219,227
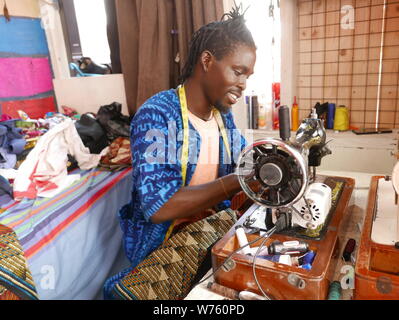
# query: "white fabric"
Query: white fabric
208,158
44,171
9,174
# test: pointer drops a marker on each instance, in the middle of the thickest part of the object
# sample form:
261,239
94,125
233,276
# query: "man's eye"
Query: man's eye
237,73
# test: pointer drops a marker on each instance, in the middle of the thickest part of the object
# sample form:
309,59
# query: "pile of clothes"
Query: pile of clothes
19,136
36,155
109,127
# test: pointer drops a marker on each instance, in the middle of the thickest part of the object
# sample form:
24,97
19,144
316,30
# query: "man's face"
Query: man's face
225,79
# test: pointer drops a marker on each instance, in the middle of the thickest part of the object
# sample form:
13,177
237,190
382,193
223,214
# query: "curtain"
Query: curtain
190,16
113,36
153,42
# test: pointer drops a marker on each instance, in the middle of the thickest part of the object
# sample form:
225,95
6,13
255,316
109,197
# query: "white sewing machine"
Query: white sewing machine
385,228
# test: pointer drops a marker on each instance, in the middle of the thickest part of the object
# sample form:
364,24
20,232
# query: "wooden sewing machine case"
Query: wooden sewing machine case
280,281
377,265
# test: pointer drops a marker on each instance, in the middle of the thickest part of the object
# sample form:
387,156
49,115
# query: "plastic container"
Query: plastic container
341,120
294,116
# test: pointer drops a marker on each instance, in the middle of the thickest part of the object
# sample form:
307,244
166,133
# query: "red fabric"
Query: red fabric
5,117
35,109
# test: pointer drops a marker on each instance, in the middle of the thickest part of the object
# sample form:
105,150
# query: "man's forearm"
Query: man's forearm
190,200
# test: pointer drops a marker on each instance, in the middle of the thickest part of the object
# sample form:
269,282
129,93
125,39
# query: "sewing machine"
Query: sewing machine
278,177
377,263
282,169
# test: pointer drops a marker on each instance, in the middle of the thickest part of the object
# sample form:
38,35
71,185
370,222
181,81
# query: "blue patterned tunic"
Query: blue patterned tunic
156,143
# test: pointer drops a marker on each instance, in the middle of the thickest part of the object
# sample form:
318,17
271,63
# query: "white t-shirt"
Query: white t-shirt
208,159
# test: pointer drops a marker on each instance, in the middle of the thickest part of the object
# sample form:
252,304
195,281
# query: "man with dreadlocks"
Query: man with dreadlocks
172,189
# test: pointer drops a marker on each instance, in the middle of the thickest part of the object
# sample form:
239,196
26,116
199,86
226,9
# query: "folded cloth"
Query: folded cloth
5,192
5,187
44,171
11,137
3,136
119,153
17,146
9,174
7,160
5,117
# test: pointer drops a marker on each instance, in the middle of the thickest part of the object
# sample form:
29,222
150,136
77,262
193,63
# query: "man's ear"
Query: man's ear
206,60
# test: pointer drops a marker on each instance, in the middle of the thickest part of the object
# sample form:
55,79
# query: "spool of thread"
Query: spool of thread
242,240
341,120
330,115
223,291
349,248
335,291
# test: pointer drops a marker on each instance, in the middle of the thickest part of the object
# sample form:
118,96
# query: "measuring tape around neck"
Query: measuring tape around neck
184,159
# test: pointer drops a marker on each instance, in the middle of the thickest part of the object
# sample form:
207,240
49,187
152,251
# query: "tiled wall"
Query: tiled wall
25,68
339,62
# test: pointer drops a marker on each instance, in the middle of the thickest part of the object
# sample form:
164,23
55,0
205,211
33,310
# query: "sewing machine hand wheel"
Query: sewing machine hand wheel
280,170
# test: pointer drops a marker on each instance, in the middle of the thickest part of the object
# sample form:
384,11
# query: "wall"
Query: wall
88,94
341,59
289,58
25,68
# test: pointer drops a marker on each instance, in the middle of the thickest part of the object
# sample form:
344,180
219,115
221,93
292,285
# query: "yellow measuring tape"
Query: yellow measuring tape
184,157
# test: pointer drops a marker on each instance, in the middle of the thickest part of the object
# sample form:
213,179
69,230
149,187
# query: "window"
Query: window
85,26
92,25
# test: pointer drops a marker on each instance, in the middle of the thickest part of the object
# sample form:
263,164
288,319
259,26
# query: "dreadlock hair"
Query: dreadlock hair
219,37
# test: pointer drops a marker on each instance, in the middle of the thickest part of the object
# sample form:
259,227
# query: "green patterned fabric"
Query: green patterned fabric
168,272
15,276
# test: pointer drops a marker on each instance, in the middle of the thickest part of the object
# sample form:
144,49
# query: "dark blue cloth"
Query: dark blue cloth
5,187
156,142
12,143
